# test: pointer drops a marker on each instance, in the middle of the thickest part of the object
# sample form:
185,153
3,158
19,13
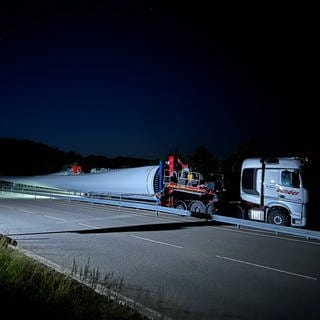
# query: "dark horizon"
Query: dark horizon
16,147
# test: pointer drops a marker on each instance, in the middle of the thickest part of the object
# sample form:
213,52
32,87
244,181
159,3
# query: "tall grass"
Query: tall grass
30,289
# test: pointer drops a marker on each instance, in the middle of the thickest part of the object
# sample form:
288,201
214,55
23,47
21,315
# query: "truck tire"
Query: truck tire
180,205
197,207
278,217
210,209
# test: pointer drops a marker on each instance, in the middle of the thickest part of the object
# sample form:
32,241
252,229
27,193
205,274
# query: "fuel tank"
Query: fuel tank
140,180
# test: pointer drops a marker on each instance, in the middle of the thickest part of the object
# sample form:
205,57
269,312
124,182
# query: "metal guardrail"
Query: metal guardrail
34,192
155,206
308,234
120,200
138,205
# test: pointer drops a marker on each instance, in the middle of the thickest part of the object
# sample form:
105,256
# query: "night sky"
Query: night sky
140,78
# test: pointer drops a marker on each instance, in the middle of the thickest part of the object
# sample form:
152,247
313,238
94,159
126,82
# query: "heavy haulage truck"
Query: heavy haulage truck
271,190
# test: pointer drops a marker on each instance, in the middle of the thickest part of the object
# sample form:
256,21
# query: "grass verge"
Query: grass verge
30,289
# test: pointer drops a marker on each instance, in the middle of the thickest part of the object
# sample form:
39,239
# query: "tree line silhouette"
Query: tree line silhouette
25,157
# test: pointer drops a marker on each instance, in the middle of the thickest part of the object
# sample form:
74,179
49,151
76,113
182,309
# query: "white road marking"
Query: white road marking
159,242
87,225
25,211
55,218
268,268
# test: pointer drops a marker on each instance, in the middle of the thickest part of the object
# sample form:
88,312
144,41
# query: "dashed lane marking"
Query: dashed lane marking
268,268
159,242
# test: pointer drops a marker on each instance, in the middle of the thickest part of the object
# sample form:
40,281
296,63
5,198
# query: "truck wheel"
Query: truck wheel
197,207
180,205
210,209
278,217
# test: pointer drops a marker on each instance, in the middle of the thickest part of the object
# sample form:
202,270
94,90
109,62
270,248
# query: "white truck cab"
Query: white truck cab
274,191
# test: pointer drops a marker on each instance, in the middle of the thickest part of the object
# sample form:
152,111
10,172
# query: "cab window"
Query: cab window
290,178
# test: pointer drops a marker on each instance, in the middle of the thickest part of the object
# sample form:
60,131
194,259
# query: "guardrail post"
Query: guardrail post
157,206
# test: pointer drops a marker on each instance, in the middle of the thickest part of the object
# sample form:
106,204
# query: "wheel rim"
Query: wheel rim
278,220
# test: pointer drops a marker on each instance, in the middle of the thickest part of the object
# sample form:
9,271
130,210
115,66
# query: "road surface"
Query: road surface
182,267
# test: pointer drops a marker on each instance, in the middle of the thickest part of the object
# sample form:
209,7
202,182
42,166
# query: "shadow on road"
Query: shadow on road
148,227
132,228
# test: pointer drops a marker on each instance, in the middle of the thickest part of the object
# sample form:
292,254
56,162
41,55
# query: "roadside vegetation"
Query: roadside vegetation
30,289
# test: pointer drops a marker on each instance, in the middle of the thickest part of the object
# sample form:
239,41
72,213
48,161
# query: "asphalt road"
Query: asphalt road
180,266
